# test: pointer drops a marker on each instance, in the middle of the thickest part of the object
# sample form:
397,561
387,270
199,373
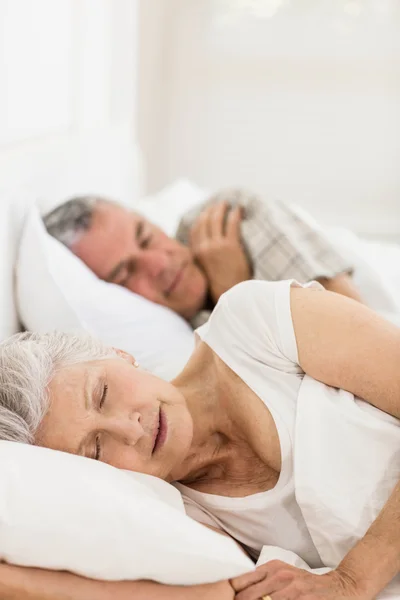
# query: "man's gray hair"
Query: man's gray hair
68,222
28,362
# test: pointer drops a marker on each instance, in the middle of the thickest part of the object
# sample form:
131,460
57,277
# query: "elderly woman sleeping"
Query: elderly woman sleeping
240,431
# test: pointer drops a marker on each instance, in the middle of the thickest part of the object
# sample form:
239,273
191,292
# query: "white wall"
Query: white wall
66,66
67,112
303,106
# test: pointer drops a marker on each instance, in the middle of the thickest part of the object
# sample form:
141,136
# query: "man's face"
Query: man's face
124,248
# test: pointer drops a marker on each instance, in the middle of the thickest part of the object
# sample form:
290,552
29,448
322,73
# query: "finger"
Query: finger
199,231
244,581
233,223
217,219
273,566
194,237
266,570
266,574
269,586
207,221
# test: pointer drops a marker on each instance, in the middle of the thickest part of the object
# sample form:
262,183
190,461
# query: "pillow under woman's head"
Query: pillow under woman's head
65,512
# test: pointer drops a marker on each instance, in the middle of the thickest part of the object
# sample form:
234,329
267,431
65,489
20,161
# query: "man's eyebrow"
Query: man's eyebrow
139,229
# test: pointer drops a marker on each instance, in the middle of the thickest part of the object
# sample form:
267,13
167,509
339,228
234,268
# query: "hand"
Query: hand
215,242
280,581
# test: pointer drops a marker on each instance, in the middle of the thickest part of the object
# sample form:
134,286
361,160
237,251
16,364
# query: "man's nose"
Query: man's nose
153,262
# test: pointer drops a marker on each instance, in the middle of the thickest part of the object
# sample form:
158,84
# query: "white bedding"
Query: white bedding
377,265
377,271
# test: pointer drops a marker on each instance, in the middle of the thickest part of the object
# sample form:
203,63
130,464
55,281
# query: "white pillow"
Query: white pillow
65,512
55,290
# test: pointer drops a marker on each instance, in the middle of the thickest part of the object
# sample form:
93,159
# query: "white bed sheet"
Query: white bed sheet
376,273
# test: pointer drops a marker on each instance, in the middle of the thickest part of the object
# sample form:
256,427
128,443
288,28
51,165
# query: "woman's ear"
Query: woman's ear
126,356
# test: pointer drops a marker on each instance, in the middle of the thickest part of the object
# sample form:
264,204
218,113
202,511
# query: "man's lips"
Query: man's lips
175,281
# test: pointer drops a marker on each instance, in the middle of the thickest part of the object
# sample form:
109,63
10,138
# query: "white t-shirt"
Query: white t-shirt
340,455
251,331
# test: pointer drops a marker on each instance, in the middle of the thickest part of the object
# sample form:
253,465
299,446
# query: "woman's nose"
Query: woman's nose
128,430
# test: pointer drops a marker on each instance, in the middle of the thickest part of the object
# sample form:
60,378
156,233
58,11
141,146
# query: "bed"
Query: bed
109,163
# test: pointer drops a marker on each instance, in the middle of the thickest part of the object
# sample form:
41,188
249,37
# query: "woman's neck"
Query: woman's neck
213,429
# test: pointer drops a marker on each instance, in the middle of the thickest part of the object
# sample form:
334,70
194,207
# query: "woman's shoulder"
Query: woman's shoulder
252,326
250,309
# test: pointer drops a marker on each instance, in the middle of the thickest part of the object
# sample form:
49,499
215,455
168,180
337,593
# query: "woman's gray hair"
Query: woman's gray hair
28,362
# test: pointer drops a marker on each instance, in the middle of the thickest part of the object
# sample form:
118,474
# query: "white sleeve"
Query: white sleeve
254,319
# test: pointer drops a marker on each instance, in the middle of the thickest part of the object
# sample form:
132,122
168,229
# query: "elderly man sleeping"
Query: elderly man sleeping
286,414
233,237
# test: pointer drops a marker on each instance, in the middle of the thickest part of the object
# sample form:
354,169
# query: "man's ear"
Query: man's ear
126,356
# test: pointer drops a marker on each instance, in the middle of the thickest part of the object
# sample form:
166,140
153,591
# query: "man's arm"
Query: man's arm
20,583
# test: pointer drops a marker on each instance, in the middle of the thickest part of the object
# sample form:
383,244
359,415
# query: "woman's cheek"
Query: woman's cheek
123,457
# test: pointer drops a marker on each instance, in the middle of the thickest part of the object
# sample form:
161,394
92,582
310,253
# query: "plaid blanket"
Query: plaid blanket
280,240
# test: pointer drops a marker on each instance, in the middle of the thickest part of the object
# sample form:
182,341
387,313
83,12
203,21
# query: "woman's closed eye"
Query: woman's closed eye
97,451
97,445
103,396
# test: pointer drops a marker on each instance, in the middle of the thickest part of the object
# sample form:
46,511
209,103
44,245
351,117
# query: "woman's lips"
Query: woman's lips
160,431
